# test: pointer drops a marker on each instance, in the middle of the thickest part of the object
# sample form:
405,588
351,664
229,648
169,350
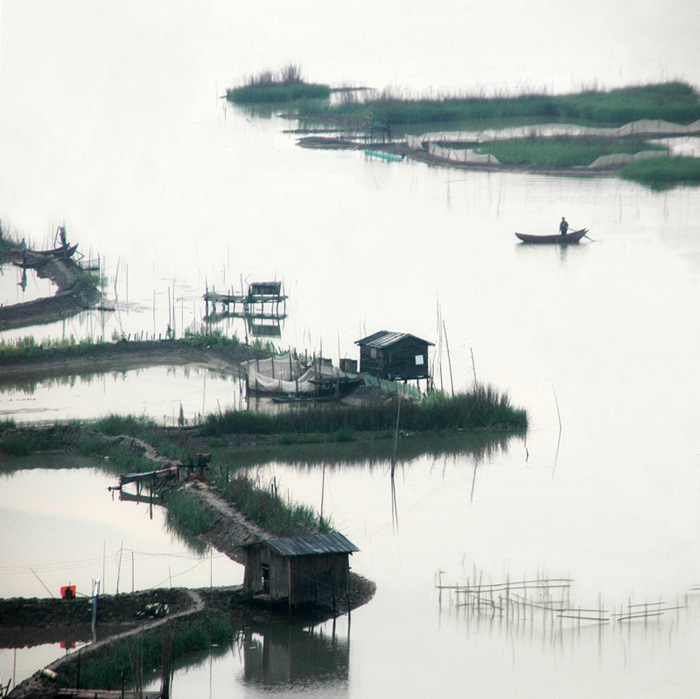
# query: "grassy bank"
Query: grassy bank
675,101
130,661
563,151
29,347
268,509
659,173
286,85
484,408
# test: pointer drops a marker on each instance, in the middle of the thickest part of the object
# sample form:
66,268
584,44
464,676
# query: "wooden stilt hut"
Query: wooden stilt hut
299,569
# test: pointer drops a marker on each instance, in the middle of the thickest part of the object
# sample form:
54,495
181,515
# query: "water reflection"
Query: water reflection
286,654
377,453
163,391
260,325
545,611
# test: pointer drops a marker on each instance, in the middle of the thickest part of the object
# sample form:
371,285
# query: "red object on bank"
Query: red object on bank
68,591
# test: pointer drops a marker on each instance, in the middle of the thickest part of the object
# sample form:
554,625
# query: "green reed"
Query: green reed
120,662
483,408
674,101
285,85
563,151
186,514
265,507
659,173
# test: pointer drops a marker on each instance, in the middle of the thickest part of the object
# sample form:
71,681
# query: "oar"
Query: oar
585,235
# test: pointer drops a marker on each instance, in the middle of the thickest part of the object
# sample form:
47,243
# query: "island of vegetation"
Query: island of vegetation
630,131
285,85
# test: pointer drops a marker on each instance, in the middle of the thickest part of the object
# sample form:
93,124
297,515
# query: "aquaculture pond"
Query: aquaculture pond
179,193
155,392
62,525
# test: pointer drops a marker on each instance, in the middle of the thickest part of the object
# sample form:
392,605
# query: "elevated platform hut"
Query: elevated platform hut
299,569
394,356
262,300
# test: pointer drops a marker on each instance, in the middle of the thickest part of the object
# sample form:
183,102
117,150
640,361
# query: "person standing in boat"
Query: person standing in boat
563,226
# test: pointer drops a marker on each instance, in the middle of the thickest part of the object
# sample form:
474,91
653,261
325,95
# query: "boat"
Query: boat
383,155
567,239
67,251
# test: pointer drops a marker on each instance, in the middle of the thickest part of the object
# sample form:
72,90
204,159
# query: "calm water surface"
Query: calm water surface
156,392
111,121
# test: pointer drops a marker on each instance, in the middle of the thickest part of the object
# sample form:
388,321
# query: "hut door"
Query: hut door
324,585
266,578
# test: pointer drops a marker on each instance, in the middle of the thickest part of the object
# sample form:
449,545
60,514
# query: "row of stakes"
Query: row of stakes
513,599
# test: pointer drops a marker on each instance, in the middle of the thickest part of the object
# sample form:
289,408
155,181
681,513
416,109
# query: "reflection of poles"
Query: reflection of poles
394,505
471,495
323,479
556,456
394,509
396,435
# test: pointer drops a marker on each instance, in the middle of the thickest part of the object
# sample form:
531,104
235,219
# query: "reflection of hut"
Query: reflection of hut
390,355
284,654
312,568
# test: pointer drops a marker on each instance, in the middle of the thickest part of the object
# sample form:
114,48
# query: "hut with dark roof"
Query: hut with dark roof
299,569
392,355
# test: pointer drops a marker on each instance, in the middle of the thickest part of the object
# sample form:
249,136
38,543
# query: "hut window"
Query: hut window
419,360
373,352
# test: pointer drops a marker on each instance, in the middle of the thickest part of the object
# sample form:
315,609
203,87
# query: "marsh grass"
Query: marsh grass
674,101
117,457
16,444
285,85
265,507
186,513
29,347
105,670
660,173
484,408
563,151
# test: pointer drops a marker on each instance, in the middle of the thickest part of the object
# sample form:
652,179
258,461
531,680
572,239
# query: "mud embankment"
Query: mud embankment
122,355
76,292
33,621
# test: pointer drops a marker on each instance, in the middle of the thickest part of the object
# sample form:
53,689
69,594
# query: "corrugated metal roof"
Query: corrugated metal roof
312,544
386,338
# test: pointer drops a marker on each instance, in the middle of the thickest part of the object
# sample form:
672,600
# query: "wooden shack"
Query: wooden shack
392,355
299,569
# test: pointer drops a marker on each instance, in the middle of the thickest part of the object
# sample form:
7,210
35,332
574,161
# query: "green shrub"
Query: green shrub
659,173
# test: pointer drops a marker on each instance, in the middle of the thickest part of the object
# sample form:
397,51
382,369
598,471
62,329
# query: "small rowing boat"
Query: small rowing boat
67,251
567,239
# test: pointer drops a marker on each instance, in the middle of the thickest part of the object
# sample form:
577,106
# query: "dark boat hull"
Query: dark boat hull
58,252
568,239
